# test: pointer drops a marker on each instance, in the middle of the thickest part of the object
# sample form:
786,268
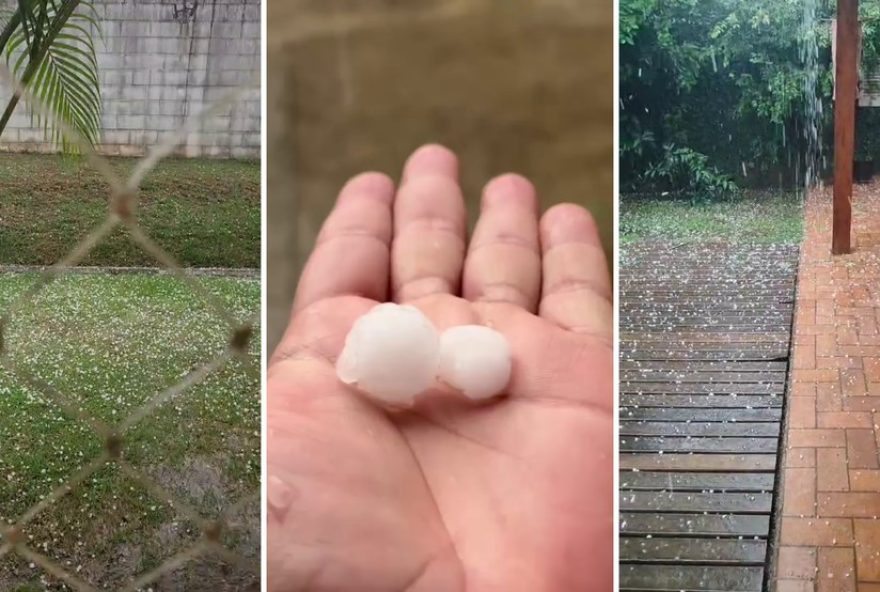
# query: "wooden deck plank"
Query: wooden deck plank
699,429
702,525
686,578
754,388
686,501
730,463
704,351
724,482
710,401
682,550
671,365
713,444
771,414
632,377
701,356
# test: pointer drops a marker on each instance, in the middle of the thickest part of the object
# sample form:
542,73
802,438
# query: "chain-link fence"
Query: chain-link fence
215,532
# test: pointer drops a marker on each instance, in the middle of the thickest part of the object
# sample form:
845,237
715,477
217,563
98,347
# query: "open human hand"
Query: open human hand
515,494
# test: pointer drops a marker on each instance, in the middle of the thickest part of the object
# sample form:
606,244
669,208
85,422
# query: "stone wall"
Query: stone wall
160,62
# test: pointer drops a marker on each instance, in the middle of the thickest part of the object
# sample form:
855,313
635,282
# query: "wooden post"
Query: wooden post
845,88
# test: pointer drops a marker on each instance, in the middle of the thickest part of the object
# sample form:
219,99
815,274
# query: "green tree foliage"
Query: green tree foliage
715,90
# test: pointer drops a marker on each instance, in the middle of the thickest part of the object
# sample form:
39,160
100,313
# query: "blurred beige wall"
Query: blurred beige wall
511,85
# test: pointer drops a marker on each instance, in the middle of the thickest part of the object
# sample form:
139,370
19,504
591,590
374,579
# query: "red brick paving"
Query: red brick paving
829,532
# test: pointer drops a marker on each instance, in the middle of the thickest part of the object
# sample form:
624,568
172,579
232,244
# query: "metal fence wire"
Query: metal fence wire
122,211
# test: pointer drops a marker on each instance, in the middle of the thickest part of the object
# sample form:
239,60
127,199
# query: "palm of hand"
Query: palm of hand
515,494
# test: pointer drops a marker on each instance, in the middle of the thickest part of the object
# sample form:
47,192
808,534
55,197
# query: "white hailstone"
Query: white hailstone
475,360
390,353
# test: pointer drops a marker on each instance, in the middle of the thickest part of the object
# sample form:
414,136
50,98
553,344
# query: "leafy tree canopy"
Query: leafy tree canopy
713,93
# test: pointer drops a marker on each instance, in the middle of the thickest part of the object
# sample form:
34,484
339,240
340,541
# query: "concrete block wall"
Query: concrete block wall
161,62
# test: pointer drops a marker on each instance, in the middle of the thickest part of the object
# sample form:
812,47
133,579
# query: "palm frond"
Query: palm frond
62,71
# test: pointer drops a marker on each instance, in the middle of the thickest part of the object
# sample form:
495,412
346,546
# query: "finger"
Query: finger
429,226
503,262
576,292
351,255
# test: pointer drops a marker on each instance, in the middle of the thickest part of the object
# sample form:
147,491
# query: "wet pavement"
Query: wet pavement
830,532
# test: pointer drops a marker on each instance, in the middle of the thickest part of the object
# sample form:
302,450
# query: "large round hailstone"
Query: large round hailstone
390,353
475,360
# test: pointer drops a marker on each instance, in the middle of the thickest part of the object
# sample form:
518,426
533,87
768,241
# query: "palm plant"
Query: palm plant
49,49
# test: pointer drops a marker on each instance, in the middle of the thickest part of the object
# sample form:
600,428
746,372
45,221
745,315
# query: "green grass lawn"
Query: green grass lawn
755,217
206,213
110,342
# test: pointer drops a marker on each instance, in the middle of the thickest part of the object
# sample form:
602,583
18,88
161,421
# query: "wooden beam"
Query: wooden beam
845,89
